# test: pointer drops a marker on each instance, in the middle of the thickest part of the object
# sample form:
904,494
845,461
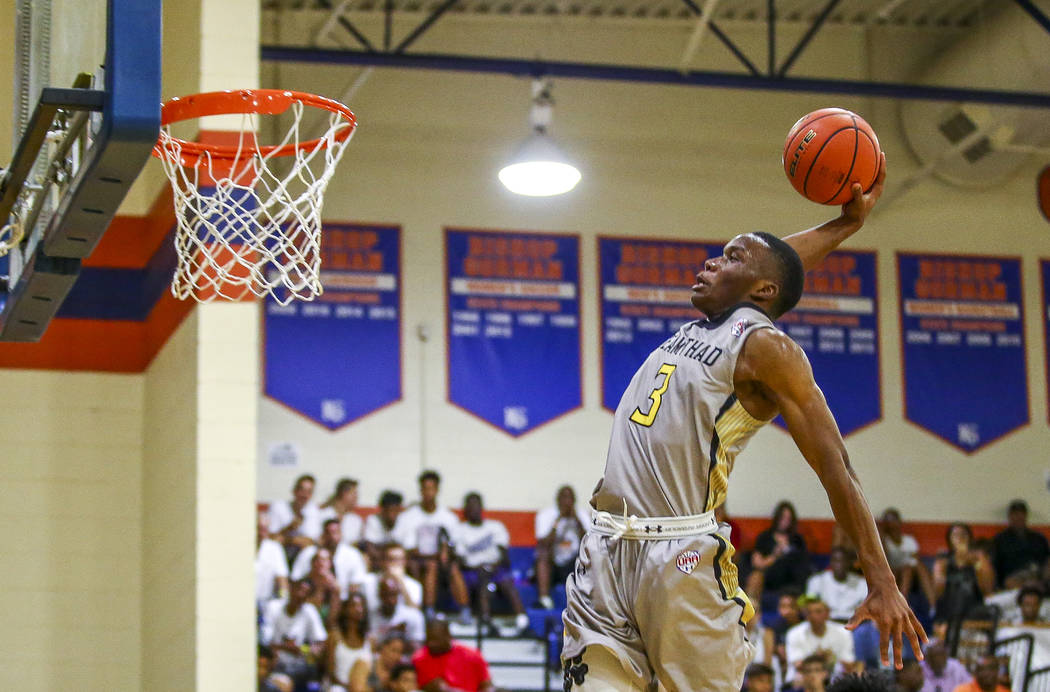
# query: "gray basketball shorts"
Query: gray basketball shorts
671,611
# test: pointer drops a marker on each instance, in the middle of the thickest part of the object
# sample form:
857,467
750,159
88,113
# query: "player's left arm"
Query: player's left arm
780,369
814,244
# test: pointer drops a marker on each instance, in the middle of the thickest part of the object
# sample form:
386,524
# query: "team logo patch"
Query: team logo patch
688,561
739,327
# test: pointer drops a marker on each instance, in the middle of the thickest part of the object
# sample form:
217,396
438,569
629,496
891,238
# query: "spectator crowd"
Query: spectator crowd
352,604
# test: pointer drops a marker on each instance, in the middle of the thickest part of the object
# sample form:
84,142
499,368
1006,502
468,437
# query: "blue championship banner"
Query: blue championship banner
1044,271
962,339
513,326
338,358
645,289
837,324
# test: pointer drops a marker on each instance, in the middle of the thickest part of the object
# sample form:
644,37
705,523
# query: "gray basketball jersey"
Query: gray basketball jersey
679,426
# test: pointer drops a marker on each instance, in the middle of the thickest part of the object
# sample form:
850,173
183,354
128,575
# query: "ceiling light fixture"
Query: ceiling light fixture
540,169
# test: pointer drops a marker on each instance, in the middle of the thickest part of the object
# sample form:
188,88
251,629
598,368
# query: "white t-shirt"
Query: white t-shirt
903,554
303,627
377,534
841,597
370,589
480,545
351,524
801,642
566,537
408,619
270,563
423,528
348,565
281,515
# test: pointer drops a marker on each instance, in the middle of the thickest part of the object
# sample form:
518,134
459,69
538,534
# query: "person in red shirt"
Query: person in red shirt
985,677
446,666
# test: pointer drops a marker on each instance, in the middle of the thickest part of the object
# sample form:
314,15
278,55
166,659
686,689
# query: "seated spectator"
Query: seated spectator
819,636
481,545
1029,608
1019,552
390,651
985,677
347,562
445,666
559,529
789,614
392,615
403,678
348,654
429,529
780,559
326,592
758,678
392,564
813,673
271,565
267,679
910,677
940,671
293,628
962,576
296,523
342,505
839,588
902,552
381,529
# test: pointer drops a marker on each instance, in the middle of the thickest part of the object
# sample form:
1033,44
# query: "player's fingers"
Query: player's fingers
898,647
881,177
884,646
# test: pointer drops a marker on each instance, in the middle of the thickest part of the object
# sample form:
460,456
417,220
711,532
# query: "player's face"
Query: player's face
727,280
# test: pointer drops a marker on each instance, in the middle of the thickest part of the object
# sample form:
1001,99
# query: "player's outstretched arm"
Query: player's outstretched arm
778,369
814,244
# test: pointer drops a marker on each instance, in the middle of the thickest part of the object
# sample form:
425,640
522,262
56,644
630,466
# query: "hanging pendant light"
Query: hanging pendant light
540,168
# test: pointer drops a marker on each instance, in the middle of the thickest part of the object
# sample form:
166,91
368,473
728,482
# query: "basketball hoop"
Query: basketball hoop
249,216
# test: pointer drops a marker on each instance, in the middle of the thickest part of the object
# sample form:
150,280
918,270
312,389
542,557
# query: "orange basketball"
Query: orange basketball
827,151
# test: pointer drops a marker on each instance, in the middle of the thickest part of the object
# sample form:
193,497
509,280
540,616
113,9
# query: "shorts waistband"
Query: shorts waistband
652,528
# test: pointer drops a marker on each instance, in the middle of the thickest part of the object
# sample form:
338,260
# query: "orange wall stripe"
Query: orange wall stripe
131,241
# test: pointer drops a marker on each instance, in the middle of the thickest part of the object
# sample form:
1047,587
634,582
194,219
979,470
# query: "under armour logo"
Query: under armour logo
654,529
575,671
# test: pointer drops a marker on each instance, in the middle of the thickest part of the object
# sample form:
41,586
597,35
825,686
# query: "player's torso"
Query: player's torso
679,426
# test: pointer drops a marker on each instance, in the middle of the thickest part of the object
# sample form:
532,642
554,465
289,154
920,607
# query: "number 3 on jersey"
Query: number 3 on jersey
656,396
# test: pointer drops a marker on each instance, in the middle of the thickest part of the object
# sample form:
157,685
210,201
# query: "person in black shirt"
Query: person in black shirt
1020,552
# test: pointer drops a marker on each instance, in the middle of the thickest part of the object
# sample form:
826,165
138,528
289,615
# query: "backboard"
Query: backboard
86,116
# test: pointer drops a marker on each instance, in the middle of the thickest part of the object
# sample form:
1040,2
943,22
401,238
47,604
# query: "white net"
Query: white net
252,224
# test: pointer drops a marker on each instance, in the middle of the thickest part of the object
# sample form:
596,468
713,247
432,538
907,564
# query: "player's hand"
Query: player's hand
890,613
857,209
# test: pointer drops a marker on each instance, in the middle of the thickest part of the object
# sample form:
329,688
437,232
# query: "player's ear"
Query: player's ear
765,291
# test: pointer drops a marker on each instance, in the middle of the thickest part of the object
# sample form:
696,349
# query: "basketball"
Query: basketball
827,151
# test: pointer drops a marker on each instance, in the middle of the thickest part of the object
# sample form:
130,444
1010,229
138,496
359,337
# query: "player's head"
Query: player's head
865,682
755,267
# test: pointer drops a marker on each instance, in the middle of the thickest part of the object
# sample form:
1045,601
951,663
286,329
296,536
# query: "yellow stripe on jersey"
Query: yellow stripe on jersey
731,427
729,582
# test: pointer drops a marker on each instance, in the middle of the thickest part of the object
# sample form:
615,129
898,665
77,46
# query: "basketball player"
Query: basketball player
654,597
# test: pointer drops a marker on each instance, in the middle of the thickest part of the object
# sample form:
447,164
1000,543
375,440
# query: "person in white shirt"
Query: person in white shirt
348,656
839,588
296,523
430,528
342,505
818,635
481,545
271,565
559,529
902,552
392,564
381,529
289,624
347,562
393,615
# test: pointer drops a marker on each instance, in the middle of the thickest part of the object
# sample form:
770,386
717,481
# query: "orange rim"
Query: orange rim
262,101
